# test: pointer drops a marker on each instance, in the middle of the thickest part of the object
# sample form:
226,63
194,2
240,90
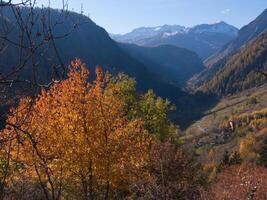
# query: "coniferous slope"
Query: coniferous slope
173,64
247,34
242,71
195,82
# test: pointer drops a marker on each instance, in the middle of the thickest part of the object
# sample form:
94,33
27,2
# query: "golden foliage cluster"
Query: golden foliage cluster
75,137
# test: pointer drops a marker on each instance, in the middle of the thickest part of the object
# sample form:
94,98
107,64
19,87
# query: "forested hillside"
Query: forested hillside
245,35
242,71
217,61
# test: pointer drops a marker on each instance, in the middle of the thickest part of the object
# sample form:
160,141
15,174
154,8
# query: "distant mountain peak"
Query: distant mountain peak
217,27
218,22
244,36
159,29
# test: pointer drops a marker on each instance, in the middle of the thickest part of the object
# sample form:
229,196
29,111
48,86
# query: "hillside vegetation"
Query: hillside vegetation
242,70
216,62
246,34
213,135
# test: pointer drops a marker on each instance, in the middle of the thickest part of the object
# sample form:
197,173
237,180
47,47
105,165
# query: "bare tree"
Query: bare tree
11,3
28,42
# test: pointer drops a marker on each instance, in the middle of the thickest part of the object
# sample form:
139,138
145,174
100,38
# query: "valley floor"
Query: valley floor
208,137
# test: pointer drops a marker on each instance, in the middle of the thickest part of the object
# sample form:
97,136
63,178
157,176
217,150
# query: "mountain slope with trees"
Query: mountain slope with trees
216,62
245,35
242,71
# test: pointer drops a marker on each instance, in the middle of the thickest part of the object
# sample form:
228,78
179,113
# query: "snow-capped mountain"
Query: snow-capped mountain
218,27
171,30
148,32
151,31
204,39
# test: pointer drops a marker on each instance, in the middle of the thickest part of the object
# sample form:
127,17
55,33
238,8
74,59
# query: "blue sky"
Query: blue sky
121,16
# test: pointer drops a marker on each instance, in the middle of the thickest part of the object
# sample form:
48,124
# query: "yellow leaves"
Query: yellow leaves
79,129
99,74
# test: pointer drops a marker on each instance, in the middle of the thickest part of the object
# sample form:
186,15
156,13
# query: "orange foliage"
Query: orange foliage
75,136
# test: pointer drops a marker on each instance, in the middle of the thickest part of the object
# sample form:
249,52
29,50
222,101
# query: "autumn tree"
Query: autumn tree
76,141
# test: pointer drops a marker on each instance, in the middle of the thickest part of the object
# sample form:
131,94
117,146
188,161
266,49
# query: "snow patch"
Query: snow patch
157,28
166,35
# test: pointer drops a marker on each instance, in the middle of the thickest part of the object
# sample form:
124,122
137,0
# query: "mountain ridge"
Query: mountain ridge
241,71
245,34
210,37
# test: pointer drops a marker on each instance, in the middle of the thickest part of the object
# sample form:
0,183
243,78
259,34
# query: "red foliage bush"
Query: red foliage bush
240,182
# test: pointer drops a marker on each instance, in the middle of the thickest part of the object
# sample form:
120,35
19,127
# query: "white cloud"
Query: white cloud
226,11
